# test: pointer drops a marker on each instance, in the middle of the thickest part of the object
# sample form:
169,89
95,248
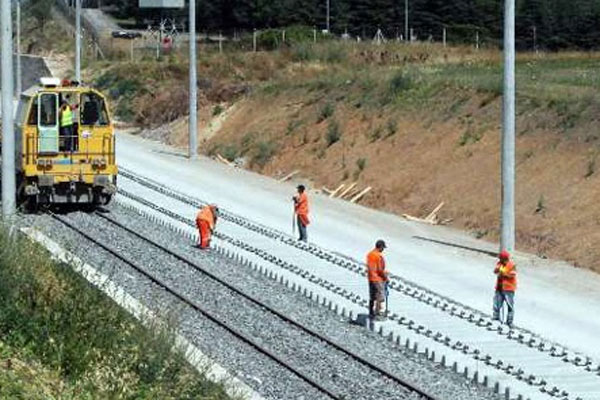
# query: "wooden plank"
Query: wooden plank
289,176
411,218
348,189
432,216
336,191
360,195
224,161
326,190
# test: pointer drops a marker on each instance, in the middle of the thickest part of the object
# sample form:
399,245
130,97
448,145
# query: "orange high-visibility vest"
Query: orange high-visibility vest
302,208
206,214
376,267
507,277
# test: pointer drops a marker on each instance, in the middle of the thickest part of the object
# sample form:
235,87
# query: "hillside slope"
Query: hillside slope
421,125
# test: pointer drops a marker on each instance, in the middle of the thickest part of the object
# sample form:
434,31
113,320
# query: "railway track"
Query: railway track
274,318
552,370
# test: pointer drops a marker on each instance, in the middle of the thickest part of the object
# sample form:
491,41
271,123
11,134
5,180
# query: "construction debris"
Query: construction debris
224,160
360,195
347,190
431,219
336,191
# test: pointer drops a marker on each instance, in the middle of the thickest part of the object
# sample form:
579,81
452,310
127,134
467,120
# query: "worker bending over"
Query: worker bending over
206,220
301,210
506,285
378,278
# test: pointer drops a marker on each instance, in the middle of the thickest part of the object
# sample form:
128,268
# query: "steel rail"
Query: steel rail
402,285
521,336
401,381
194,305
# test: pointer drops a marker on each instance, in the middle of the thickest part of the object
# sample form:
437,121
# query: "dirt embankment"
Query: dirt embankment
419,125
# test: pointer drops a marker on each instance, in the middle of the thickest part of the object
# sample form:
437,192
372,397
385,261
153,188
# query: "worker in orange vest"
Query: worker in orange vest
506,285
301,211
206,220
378,278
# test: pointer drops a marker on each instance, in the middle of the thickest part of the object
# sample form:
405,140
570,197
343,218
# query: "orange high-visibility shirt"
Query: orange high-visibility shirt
376,267
206,214
507,276
302,204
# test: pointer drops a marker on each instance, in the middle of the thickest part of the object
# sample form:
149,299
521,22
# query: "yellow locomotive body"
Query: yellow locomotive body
60,166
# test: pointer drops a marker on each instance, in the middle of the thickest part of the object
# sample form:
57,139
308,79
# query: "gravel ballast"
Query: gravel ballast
312,357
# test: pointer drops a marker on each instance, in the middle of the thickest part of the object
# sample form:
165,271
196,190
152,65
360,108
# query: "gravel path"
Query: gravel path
344,376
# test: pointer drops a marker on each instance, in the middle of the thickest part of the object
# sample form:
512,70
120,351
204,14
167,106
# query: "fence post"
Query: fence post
254,39
314,35
220,42
132,49
283,37
477,39
412,35
444,37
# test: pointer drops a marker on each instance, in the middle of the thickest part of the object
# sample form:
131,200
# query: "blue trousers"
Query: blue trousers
500,298
302,230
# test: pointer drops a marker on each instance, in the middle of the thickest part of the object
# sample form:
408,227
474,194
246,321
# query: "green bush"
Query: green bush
325,112
264,153
400,82
230,152
361,163
217,110
334,134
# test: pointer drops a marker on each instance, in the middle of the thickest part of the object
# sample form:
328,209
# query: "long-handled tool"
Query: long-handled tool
387,298
294,221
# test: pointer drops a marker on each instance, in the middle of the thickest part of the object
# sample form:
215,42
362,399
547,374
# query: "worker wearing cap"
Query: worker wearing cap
378,277
301,211
206,221
506,285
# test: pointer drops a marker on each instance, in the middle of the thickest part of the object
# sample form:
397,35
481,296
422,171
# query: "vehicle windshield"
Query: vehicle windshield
93,110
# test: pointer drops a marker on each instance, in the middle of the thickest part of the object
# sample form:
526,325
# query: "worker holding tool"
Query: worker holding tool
378,278
206,221
506,285
301,212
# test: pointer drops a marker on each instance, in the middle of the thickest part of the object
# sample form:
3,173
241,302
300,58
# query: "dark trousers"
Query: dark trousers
67,133
302,230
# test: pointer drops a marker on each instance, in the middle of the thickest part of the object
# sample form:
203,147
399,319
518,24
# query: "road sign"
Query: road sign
161,3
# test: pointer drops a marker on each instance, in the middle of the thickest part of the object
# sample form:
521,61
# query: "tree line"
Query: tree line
544,24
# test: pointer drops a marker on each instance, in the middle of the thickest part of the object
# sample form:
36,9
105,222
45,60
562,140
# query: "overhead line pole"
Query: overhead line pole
18,82
78,40
507,239
193,133
328,16
406,38
8,137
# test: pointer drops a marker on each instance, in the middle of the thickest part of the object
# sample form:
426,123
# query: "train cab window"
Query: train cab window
48,130
48,110
93,112
32,119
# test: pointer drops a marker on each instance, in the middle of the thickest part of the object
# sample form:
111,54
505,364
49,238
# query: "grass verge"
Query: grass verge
62,338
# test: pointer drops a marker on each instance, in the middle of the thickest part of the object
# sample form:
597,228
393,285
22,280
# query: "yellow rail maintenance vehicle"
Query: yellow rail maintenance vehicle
65,146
